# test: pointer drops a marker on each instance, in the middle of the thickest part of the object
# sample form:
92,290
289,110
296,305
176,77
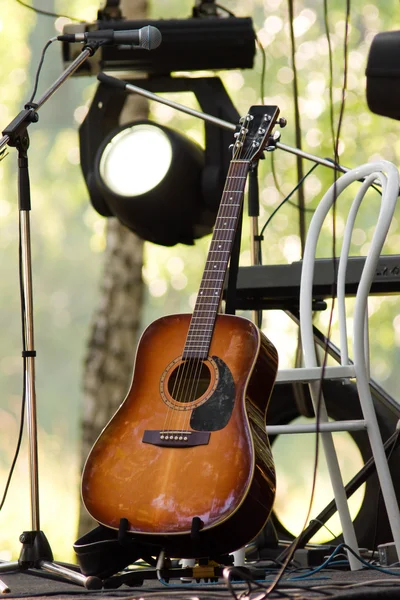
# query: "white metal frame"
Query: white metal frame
387,175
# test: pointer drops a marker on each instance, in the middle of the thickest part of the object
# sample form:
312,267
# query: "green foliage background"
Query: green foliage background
68,236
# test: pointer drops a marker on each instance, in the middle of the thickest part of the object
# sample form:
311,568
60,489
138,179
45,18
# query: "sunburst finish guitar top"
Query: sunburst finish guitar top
189,445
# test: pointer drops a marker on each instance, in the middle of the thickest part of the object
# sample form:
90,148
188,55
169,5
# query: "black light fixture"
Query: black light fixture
150,177
169,191
383,75
156,181
193,44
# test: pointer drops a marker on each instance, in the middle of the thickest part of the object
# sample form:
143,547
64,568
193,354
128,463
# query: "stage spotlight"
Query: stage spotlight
156,181
149,177
123,163
383,81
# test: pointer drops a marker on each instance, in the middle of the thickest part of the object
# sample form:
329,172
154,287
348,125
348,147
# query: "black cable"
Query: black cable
19,441
263,69
379,498
39,69
298,133
21,426
330,58
47,13
231,14
287,199
262,49
336,142
294,544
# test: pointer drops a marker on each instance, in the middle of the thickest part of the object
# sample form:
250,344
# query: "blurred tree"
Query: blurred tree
111,348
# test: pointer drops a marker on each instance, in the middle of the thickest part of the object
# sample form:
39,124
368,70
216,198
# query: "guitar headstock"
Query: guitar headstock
254,131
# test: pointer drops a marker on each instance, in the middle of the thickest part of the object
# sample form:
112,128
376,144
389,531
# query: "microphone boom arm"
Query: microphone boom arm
113,81
27,115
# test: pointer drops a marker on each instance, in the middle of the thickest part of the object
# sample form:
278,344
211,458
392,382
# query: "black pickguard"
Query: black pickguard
216,412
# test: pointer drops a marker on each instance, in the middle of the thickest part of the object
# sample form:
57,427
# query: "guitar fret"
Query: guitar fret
198,347
198,335
208,300
217,279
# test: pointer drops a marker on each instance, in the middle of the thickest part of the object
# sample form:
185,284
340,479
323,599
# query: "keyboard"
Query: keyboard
278,286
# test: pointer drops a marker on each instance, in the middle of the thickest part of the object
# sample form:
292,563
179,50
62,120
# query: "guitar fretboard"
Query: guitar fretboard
209,297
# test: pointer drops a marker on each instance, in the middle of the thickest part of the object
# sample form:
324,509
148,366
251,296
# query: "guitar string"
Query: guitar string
192,379
207,321
230,210
188,377
188,370
241,170
226,213
194,365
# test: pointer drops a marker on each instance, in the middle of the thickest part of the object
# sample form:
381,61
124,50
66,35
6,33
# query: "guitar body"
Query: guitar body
189,441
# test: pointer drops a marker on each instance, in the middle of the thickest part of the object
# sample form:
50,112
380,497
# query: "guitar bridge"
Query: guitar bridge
176,439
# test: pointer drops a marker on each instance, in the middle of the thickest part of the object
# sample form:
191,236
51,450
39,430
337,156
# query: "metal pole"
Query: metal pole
220,122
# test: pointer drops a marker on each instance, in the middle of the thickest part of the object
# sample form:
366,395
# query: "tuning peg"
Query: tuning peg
272,141
282,122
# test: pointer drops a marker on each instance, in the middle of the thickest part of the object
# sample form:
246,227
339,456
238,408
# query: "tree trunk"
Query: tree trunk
113,336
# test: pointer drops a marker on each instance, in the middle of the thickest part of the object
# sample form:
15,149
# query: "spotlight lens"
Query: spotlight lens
136,160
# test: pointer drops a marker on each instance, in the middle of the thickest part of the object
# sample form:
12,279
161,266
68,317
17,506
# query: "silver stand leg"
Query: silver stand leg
36,552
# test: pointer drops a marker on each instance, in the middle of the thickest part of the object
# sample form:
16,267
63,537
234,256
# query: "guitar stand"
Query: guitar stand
105,553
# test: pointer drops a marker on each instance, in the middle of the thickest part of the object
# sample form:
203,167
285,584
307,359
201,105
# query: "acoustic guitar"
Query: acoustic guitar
185,464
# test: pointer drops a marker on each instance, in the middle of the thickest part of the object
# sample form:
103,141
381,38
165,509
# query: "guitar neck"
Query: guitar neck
209,297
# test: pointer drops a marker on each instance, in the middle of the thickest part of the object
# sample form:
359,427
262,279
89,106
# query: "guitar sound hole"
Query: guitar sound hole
189,381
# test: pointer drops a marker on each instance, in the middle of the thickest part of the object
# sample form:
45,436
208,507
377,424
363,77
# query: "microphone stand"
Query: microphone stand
36,551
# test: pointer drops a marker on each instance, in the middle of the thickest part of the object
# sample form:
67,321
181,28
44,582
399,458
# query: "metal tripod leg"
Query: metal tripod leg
36,552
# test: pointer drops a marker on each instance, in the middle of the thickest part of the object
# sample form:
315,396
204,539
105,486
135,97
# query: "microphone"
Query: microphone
148,37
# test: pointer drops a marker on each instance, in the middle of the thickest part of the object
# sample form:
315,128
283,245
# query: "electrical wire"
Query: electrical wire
287,199
298,132
263,69
47,13
379,498
330,58
22,297
336,142
23,404
30,101
230,13
336,551
262,50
